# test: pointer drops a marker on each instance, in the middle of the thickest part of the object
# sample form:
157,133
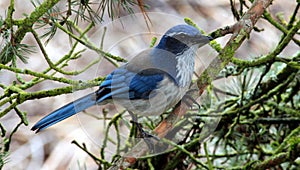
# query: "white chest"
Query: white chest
185,67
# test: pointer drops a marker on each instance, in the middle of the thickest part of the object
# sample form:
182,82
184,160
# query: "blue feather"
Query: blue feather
129,85
65,112
142,85
120,84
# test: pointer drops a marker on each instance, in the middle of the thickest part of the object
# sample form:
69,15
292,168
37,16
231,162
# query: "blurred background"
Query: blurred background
125,37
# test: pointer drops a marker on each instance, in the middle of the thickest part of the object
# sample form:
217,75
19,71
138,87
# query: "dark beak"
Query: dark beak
210,38
202,39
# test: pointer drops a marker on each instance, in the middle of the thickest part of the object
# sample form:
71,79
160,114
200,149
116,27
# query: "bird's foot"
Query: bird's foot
189,100
146,136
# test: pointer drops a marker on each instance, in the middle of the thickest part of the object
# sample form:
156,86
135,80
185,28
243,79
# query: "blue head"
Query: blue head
180,38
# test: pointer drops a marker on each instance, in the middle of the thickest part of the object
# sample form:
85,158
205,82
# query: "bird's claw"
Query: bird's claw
145,136
189,100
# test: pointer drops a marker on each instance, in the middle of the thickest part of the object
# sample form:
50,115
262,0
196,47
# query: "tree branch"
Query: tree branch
25,25
241,31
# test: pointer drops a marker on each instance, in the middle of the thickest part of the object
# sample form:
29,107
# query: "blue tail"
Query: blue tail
65,112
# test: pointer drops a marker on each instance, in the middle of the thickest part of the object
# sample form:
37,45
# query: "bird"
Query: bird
152,82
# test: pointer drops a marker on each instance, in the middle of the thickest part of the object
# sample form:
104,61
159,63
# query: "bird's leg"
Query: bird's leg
143,134
189,100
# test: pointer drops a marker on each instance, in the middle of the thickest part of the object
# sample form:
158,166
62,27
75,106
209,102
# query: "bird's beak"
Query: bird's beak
202,39
210,38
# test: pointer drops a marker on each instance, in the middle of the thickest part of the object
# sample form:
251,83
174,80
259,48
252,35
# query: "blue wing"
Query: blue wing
124,84
119,84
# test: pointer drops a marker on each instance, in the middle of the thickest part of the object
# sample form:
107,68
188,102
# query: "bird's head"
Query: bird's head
181,37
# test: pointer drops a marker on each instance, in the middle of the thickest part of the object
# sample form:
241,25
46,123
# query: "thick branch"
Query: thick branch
241,30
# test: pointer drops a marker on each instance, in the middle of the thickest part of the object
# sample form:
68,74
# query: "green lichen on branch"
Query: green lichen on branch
24,26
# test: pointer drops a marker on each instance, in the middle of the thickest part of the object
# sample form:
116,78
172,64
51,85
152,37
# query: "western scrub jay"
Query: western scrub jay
152,82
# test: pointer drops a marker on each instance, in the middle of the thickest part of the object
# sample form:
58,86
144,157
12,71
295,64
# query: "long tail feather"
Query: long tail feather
65,112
